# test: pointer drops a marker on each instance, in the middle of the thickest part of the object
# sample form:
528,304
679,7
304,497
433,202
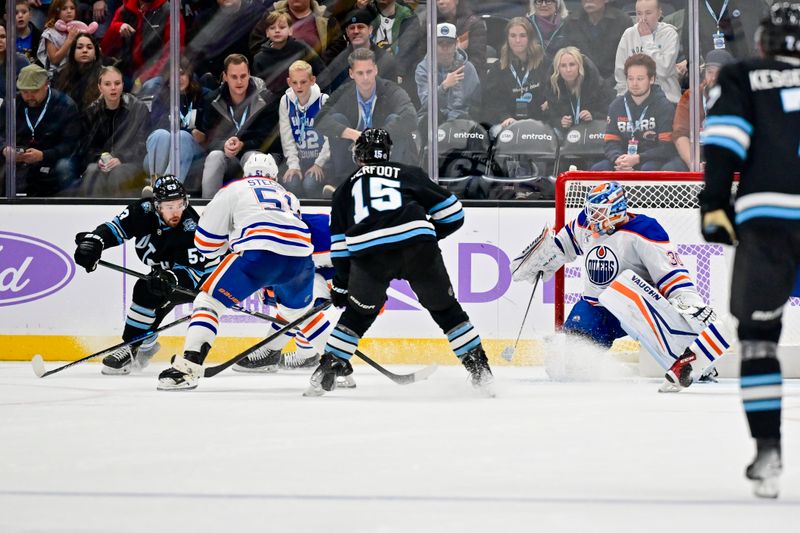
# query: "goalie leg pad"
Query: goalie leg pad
649,318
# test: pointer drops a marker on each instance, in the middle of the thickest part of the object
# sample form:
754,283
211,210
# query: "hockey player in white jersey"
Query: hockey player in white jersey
628,255
258,221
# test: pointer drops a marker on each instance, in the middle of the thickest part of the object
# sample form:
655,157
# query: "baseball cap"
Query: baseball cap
31,78
719,57
357,16
445,30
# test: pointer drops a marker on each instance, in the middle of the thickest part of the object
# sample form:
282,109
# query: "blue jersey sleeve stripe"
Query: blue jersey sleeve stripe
210,235
450,200
572,240
338,237
336,255
665,278
679,286
787,213
451,218
392,239
115,232
730,120
727,143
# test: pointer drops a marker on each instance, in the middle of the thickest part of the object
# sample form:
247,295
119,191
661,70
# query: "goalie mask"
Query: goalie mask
373,145
606,207
779,33
261,166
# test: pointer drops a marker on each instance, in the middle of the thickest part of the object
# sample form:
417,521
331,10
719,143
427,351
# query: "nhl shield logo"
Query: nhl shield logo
602,265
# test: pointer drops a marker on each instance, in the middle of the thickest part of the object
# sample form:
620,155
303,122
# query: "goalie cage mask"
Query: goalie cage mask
606,207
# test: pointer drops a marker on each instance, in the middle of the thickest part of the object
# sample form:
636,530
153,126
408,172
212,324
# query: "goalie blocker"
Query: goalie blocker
663,331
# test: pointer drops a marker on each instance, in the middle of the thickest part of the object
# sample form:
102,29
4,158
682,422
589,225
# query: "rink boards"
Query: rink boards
48,306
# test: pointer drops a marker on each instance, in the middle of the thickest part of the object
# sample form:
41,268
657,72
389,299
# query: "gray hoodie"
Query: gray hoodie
456,101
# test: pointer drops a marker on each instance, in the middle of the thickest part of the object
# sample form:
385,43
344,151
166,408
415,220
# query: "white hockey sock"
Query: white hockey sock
204,324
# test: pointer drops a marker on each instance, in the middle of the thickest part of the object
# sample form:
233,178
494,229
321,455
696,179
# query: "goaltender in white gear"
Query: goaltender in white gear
613,242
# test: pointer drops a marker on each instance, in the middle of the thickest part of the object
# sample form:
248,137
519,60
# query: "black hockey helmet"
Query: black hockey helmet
374,144
779,33
167,188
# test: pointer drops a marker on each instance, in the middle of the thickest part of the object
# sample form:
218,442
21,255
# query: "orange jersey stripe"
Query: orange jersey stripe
205,315
622,289
682,277
313,323
297,236
711,342
212,279
207,244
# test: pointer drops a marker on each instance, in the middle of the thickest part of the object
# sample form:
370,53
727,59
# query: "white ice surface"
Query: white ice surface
81,452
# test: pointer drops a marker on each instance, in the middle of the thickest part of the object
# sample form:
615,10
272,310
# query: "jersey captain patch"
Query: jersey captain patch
602,265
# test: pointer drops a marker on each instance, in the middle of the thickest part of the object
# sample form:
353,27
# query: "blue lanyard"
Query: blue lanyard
185,119
524,80
233,118
635,128
32,127
716,17
367,107
302,120
541,38
576,110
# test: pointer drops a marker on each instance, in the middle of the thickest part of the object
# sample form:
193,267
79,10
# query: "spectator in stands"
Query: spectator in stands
22,61
547,18
223,31
715,59
280,51
48,129
139,37
114,132
78,79
576,90
516,87
239,121
396,30
307,151
310,24
55,43
100,11
596,30
459,88
471,30
190,138
657,39
367,102
28,35
357,34
639,131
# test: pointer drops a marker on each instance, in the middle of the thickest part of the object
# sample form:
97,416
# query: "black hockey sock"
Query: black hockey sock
761,388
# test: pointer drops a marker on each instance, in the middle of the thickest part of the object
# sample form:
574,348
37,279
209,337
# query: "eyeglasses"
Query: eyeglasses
543,2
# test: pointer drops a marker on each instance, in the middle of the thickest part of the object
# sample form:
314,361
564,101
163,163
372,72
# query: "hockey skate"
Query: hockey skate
679,376
143,355
324,378
477,365
297,360
766,468
118,362
261,361
185,371
709,376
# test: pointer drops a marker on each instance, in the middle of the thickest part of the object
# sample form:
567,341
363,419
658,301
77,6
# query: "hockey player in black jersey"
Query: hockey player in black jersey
163,228
386,219
753,126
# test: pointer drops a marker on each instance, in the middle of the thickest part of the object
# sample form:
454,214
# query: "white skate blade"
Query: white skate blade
313,392
38,365
345,382
172,387
124,371
507,353
669,387
766,488
271,369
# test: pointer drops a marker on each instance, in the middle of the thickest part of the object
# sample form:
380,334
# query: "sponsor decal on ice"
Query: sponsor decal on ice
31,268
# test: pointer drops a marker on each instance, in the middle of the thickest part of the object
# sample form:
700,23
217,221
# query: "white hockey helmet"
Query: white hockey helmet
261,166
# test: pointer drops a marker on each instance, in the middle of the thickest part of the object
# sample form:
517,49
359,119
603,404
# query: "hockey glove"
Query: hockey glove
338,295
89,250
692,305
161,283
717,227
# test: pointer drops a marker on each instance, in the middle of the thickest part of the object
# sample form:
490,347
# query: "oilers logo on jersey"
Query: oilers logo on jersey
602,265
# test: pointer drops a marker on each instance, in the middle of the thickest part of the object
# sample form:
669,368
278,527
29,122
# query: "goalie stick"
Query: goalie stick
508,352
401,379
38,363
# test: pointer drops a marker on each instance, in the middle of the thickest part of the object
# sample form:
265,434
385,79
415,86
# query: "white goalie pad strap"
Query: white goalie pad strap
187,367
649,318
542,255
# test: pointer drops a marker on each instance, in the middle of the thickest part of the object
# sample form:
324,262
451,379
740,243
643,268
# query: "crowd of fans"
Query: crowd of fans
300,79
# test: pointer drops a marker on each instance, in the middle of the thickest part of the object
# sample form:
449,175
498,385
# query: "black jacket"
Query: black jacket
272,64
598,42
595,96
501,91
337,73
122,132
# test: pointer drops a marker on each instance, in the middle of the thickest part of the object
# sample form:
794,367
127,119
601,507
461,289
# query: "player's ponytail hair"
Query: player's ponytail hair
534,51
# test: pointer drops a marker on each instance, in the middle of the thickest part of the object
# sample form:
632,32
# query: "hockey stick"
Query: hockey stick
214,370
189,292
400,379
508,351
38,363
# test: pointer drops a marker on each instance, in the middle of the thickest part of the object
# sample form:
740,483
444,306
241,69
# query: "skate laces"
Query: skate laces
121,354
292,360
261,353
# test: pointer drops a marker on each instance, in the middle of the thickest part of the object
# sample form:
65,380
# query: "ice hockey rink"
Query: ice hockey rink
83,452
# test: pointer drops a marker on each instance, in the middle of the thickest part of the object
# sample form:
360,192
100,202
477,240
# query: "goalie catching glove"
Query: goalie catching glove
542,255
89,250
161,283
690,304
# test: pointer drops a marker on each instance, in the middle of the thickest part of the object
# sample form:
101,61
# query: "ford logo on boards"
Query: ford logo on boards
31,268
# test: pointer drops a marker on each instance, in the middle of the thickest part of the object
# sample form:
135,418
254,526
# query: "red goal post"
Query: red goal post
671,197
